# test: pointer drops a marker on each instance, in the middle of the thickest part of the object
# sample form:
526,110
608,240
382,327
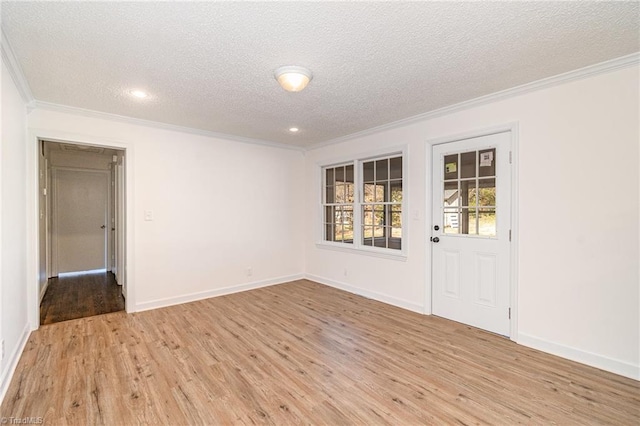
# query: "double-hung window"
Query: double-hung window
362,203
338,203
382,203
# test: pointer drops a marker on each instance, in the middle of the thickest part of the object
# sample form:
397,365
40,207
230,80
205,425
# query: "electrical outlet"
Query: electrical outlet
346,272
249,271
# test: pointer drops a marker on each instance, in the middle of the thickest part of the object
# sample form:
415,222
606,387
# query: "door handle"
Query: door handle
435,239
102,227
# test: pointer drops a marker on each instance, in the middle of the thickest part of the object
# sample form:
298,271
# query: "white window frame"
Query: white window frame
358,244
324,204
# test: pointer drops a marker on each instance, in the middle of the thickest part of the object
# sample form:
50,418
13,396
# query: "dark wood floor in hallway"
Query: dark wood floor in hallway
301,353
80,296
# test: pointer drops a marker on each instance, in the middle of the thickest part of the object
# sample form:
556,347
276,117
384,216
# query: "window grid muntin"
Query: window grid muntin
378,210
395,166
338,200
460,212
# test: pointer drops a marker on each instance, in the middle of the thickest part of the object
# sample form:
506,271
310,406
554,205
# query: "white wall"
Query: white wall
578,212
14,326
219,207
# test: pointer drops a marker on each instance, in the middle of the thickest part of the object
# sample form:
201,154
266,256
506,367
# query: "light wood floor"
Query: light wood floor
301,353
80,296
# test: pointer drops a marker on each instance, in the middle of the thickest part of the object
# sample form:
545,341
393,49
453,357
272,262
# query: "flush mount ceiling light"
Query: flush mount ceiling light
293,129
140,94
293,78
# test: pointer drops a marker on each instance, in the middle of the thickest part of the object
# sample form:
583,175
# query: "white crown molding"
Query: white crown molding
589,71
158,125
9,58
15,70
581,73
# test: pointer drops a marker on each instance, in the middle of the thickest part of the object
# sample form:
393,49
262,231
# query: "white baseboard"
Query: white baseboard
415,307
12,362
192,297
44,290
622,368
616,366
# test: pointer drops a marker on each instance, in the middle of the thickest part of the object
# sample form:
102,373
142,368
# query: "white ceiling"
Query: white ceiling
209,65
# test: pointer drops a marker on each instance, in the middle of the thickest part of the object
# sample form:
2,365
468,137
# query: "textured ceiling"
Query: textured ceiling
209,65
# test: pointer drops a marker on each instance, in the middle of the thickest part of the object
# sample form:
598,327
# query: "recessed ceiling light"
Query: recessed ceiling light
138,94
293,129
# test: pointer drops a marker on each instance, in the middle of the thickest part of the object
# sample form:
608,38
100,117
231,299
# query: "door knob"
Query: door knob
435,239
102,227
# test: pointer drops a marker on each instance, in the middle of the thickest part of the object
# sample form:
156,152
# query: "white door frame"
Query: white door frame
120,224
33,238
513,282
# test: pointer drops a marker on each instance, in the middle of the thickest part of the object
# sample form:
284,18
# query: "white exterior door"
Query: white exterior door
80,220
470,234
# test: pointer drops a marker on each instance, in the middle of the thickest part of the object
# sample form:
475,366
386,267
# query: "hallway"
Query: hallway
80,296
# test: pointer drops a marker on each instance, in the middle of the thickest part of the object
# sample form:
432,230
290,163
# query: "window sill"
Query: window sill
364,251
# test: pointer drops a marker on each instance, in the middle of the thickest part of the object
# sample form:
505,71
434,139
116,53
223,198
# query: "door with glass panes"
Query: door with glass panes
470,233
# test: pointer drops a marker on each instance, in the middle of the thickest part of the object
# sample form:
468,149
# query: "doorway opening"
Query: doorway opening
81,230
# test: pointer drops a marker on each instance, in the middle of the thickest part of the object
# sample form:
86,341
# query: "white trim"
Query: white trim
2,381
33,230
12,363
159,125
364,156
78,273
33,238
54,215
22,84
612,365
15,70
515,228
357,160
545,83
366,250
389,300
513,129
43,291
428,218
192,297
53,220
474,133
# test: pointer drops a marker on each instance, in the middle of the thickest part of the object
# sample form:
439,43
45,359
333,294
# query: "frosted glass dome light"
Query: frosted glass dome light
293,78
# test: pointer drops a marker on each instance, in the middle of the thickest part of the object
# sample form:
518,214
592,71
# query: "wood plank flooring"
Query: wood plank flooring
301,353
80,296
